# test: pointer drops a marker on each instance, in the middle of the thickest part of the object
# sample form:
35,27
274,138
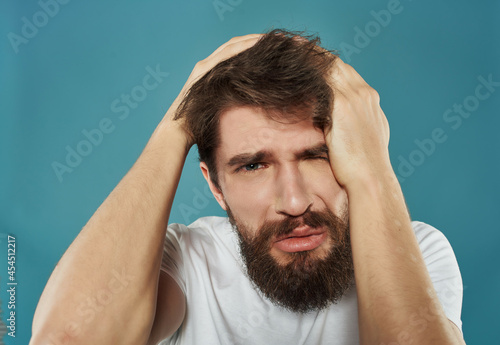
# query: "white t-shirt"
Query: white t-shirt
223,307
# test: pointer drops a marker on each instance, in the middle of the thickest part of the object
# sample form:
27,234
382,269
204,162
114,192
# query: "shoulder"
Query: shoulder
430,239
426,232
201,226
204,231
187,245
443,269
438,254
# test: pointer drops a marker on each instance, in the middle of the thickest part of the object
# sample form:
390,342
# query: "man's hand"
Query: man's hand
233,47
392,280
133,219
229,49
359,137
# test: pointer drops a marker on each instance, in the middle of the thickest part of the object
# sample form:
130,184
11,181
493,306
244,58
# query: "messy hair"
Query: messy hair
284,73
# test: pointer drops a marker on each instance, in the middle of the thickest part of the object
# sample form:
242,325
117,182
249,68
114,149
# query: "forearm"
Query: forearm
392,281
103,289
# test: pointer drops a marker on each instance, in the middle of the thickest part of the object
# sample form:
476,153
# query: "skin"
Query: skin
284,183
391,278
132,219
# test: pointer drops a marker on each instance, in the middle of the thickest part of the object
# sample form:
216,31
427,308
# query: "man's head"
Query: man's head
283,74
258,119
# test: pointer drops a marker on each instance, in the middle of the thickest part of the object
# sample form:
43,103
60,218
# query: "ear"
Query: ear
215,191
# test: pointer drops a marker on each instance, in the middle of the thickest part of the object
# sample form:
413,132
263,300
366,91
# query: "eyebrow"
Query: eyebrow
318,150
247,158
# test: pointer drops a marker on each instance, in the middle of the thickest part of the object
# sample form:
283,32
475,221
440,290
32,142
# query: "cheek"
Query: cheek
249,202
327,188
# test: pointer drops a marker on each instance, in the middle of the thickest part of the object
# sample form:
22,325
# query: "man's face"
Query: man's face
290,213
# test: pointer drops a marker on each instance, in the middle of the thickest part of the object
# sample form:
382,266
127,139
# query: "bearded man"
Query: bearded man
318,246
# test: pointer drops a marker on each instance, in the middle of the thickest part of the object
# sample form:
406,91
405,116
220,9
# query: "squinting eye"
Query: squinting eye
320,157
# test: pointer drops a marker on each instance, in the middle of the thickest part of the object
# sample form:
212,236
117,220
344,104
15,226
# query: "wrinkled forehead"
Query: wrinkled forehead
251,129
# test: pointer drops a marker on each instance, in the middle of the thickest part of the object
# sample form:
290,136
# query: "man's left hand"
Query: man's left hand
359,136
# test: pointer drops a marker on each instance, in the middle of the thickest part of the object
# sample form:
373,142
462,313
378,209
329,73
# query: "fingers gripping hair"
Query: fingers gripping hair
285,73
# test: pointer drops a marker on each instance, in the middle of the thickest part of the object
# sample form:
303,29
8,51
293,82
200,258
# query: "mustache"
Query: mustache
313,219
305,282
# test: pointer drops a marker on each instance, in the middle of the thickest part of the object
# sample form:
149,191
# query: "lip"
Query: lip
302,238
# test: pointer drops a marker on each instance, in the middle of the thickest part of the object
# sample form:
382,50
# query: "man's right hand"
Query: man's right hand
126,235
231,48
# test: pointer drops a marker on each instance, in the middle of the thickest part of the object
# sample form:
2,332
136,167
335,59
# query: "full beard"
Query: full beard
306,281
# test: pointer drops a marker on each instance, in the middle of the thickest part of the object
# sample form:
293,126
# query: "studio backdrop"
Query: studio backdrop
76,113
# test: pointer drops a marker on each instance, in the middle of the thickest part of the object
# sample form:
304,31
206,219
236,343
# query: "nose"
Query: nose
292,196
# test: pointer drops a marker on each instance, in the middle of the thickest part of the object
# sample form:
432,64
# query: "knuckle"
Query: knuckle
235,39
201,64
370,93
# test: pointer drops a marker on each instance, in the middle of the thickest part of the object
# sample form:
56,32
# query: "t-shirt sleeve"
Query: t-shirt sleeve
172,260
443,269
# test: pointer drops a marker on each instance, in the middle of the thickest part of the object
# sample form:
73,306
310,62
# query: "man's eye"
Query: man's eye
325,158
252,166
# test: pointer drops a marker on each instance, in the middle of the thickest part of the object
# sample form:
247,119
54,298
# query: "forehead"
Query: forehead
250,129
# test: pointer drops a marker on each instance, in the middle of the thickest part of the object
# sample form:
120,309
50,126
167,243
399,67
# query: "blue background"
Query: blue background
64,79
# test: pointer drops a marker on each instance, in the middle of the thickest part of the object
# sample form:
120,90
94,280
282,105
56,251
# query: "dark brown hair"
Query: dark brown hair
284,73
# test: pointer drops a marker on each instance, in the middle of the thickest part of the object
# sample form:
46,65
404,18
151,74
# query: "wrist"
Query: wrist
378,197
173,133
373,181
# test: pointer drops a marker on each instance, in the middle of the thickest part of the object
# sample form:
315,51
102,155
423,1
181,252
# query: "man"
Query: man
318,247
